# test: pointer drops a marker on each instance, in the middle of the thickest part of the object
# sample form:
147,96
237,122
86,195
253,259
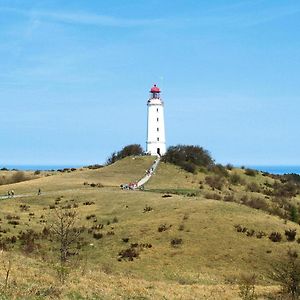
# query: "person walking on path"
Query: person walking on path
39,192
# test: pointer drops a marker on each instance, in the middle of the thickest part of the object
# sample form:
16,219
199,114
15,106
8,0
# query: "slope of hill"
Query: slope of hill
188,247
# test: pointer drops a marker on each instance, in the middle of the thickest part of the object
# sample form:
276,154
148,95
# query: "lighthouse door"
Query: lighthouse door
158,151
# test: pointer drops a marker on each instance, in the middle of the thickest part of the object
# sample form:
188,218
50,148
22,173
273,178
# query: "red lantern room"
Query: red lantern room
154,92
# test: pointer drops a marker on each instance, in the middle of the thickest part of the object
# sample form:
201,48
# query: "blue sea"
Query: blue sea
277,169
38,167
270,169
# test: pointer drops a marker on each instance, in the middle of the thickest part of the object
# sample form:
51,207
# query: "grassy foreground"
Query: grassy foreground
206,263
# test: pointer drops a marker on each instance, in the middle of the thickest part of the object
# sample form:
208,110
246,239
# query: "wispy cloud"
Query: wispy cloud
241,14
83,18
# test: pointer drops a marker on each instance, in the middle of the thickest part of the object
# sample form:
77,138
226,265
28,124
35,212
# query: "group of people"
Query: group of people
11,193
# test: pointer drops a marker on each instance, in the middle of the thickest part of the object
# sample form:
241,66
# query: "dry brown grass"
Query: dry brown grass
206,265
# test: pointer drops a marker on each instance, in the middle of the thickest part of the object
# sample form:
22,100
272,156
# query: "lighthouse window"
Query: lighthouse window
157,119
158,139
157,109
157,129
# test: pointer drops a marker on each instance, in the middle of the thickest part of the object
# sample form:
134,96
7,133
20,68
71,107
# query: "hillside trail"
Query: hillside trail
149,173
141,182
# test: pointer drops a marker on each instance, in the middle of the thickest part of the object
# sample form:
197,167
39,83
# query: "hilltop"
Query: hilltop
193,240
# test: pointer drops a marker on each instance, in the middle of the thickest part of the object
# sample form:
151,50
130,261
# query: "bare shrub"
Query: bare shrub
213,196
253,187
215,181
97,235
290,234
247,287
236,179
67,235
229,198
176,242
287,274
163,227
275,237
147,208
250,172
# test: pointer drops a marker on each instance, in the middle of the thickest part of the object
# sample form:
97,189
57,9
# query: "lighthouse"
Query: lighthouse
156,141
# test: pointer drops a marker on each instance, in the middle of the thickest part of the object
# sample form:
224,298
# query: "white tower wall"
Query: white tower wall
156,140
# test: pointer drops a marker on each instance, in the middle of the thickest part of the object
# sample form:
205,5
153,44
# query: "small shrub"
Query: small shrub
235,179
275,237
229,167
129,254
247,287
260,234
250,172
97,235
290,234
125,240
181,227
215,181
163,227
13,222
229,198
253,187
250,232
88,203
147,209
176,242
213,196
287,275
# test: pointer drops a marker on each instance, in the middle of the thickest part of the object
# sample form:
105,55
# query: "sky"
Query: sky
75,78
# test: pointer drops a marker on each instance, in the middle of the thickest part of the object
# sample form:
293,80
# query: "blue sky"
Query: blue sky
75,77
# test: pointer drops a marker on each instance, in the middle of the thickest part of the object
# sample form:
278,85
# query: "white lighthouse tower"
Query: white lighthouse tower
156,140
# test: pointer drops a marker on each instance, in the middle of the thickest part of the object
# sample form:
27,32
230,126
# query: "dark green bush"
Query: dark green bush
134,149
188,157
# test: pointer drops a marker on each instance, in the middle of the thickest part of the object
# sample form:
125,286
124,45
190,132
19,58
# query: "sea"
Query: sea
270,169
280,170
38,167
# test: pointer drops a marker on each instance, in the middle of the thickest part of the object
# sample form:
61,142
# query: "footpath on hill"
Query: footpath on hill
149,173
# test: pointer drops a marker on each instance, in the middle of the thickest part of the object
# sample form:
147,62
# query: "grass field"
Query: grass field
207,264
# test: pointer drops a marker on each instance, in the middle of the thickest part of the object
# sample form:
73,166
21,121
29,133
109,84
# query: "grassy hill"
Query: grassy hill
188,243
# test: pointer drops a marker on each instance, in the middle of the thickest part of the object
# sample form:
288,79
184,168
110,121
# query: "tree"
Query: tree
66,234
133,149
287,274
188,157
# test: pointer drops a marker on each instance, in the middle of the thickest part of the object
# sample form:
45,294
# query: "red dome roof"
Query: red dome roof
155,89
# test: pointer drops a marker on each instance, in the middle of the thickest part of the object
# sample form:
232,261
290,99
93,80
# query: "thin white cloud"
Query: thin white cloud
245,13
83,18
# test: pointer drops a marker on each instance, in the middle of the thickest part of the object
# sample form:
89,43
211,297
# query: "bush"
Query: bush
250,172
134,149
235,179
287,274
188,157
219,170
129,254
163,227
229,198
97,235
275,237
213,196
176,242
247,287
215,181
294,216
229,167
253,187
290,234
147,209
